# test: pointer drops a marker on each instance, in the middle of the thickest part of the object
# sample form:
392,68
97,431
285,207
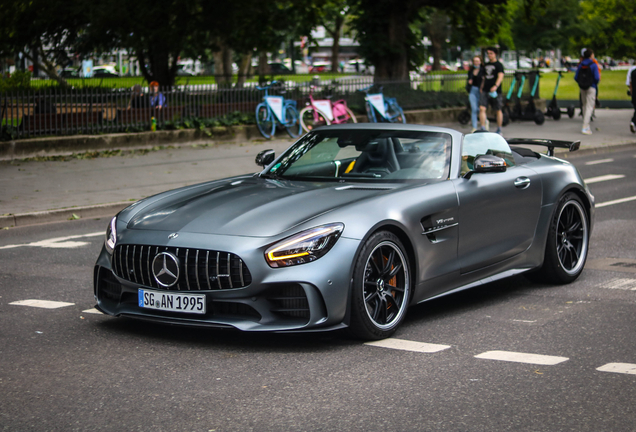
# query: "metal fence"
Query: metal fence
86,110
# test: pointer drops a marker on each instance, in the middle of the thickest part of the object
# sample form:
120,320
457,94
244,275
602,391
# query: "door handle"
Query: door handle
522,182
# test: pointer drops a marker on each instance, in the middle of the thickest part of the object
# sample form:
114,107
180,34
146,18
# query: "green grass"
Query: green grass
611,87
127,82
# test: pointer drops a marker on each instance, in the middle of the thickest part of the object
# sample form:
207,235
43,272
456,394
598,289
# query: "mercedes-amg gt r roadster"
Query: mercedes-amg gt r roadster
346,229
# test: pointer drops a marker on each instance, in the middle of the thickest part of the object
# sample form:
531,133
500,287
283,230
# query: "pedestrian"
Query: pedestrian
587,77
491,89
631,79
157,99
475,77
137,98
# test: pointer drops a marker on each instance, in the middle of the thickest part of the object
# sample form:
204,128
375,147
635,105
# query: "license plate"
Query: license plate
173,302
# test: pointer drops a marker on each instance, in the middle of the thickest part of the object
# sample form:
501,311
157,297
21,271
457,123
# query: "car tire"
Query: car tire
568,242
381,287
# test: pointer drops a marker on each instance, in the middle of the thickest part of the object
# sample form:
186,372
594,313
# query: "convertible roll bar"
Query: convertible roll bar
550,144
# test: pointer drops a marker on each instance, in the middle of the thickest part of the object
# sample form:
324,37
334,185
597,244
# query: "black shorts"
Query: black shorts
496,103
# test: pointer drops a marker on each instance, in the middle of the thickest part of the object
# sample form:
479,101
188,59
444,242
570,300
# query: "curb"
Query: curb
63,146
61,215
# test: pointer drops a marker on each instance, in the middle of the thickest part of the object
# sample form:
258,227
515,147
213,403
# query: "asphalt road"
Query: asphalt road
69,369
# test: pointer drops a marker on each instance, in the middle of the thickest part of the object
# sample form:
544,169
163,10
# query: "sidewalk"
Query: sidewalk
34,192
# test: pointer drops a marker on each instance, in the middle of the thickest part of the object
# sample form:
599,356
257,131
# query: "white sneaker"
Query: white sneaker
586,131
632,127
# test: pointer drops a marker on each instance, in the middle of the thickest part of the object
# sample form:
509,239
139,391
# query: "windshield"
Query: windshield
366,155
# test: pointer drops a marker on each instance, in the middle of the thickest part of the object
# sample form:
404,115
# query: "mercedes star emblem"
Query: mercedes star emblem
165,269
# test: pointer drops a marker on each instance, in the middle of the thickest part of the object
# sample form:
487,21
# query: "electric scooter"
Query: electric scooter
530,112
553,109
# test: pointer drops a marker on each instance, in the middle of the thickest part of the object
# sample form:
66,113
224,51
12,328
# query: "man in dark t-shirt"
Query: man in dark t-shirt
491,89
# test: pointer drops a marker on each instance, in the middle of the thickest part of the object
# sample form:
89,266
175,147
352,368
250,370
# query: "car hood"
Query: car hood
254,207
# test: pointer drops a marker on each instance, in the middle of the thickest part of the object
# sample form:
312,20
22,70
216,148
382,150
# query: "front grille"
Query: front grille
289,300
199,269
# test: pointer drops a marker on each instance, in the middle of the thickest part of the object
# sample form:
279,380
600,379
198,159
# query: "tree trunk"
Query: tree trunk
263,67
245,65
395,67
437,31
45,64
223,66
335,48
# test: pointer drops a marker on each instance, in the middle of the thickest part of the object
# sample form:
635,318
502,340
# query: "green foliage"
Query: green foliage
610,27
554,25
18,80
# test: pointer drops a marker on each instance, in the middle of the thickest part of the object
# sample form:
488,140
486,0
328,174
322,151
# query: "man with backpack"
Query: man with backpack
587,76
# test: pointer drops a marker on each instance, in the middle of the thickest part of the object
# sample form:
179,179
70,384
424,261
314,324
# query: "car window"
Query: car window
477,144
367,155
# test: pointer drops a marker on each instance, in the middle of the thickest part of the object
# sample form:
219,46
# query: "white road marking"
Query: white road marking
45,304
58,242
604,178
624,368
618,201
92,311
406,345
522,357
621,284
601,161
524,321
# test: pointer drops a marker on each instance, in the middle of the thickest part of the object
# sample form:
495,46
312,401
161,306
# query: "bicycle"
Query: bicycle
277,109
388,108
320,112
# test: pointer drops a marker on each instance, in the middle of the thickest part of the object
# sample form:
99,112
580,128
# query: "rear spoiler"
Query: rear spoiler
550,144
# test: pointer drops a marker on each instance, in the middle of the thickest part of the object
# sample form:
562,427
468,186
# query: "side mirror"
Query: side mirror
486,164
265,157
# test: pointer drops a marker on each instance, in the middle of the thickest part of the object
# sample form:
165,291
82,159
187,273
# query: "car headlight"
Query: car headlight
111,235
304,247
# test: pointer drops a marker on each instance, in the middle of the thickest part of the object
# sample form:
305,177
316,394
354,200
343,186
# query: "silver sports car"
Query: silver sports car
346,229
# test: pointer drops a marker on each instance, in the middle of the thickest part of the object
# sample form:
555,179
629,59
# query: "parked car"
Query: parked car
69,73
104,71
346,229
276,68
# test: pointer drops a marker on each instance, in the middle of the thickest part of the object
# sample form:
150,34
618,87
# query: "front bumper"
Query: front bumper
300,298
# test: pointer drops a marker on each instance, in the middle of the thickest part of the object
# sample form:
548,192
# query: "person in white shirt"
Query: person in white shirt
631,79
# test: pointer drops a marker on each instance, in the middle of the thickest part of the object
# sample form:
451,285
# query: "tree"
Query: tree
389,31
334,14
43,30
264,28
156,31
610,27
555,25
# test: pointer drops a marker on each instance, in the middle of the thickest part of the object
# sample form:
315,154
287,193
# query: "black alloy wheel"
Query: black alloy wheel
568,241
381,287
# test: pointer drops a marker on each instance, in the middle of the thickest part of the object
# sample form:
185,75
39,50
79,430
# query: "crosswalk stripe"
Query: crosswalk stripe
604,178
92,311
601,161
618,201
625,368
59,242
517,357
406,345
45,304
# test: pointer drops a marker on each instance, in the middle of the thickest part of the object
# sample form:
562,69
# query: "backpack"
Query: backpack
585,79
